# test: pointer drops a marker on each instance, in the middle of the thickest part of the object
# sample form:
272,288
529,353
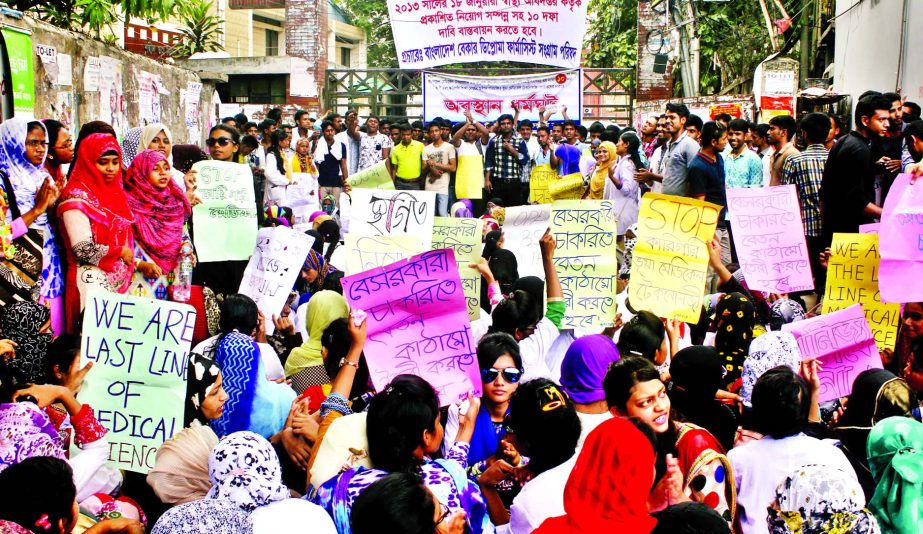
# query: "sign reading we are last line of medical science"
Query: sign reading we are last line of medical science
428,33
488,97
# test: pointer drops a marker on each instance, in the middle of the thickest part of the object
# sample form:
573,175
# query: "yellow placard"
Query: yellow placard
463,235
375,177
469,176
585,260
670,259
568,187
852,276
538,183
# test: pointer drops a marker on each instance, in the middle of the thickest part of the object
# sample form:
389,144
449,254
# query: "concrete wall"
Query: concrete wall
868,51
87,104
652,30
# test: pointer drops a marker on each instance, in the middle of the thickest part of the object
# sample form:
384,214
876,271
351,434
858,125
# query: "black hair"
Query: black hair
275,114
634,148
679,108
597,127
762,130
869,104
781,403
582,131
241,119
914,109
433,123
337,340
249,141
814,127
570,123
397,502
525,123
397,418
642,336
238,312
185,156
622,376
53,130
504,117
334,282
327,124
690,518
739,125
266,124
893,97
724,117
711,131
275,139
249,125
543,128
545,422
36,490
405,127
416,125
519,311
492,346
62,353
229,119
230,130
382,121
300,113
785,122
694,121
330,231
332,115
35,125
87,130
914,129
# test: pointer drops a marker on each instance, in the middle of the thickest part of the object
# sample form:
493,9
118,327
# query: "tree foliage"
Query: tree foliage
611,34
372,17
733,41
201,30
98,15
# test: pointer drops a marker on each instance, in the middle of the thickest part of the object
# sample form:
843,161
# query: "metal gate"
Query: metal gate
608,94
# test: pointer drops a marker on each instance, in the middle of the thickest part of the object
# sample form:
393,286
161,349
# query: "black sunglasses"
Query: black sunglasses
511,375
223,141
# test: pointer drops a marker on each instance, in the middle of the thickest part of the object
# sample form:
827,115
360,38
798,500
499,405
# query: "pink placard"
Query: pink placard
843,343
418,323
769,238
901,243
871,228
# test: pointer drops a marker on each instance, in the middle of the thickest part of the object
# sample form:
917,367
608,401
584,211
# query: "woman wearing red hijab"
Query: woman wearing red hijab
97,225
607,490
160,209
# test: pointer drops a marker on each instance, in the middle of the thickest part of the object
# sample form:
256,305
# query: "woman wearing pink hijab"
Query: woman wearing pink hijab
160,209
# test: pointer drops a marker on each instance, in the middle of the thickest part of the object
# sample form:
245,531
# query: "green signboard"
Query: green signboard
22,81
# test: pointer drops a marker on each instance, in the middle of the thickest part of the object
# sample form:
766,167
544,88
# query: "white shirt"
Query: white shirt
588,423
541,498
284,515
757,478
268,354
534,348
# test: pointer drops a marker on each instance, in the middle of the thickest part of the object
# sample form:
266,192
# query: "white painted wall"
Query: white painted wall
868,48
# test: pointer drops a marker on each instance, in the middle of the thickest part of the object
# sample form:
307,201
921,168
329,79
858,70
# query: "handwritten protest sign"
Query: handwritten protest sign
139,349
902,243
487,97
378,212
224,224
769,238
852,277
844,345
301,196
670,260
430,33
375,177
368,252
274,266
568,187
538,183
464,237
417,324
585,260
523,228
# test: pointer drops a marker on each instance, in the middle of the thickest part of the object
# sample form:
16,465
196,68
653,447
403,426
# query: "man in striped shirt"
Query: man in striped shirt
805,170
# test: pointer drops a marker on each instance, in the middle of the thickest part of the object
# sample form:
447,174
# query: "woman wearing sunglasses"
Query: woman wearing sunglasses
223,277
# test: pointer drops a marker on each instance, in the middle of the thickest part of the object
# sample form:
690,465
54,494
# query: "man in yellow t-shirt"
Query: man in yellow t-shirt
407,162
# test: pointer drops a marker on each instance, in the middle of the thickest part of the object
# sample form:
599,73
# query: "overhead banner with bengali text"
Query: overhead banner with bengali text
429,33
488,97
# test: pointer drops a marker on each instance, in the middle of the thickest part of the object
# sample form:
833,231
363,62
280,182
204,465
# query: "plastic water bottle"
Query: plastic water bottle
182,286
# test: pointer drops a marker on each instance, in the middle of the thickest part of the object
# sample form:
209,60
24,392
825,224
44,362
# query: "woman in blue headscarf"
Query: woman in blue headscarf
23,148
254,403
